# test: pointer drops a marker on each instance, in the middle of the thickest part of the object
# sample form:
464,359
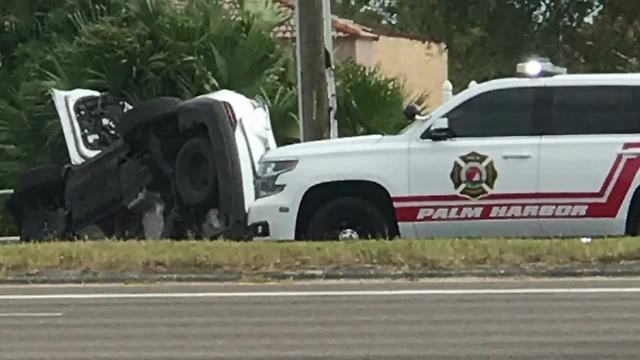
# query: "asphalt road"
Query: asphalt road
454,319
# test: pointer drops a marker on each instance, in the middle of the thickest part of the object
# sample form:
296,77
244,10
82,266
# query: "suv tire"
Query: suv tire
37,204
348,218
210,115
144,115
196,176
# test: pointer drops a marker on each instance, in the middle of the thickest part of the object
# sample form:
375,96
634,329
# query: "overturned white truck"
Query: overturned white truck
166,168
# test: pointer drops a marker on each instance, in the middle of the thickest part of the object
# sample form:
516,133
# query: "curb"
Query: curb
631,269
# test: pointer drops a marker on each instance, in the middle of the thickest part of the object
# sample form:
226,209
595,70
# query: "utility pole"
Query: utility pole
313,96
329,68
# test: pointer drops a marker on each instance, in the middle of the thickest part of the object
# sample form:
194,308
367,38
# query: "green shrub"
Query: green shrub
368,101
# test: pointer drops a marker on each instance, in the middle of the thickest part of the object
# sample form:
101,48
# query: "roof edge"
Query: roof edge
353,29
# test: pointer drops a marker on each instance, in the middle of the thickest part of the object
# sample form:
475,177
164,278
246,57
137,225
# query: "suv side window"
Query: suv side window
632,109
593,110
504,112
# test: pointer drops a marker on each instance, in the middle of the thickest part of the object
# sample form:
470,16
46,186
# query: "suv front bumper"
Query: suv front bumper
272,218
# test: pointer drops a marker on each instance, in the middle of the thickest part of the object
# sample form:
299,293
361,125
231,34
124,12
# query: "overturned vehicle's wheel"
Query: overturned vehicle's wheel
135,122
196,176
37,204
208,178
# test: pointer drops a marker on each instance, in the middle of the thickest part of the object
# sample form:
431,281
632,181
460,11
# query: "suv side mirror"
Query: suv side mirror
411,111
440,130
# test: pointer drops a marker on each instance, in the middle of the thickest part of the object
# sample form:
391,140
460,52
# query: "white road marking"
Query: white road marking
30,314
320,283
354,293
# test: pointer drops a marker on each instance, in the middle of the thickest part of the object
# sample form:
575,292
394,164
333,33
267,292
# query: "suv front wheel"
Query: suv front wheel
38,204
348,218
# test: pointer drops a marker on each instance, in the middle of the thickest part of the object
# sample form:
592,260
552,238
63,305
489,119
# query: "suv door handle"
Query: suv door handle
516,156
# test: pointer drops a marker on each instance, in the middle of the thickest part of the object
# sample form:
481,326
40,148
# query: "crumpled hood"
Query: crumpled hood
324,147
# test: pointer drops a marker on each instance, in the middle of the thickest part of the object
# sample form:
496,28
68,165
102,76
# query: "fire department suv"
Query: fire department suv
541,154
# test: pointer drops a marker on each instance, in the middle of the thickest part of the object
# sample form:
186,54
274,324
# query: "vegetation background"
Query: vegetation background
139,49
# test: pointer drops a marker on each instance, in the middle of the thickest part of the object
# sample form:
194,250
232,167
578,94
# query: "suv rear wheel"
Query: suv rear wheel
348,218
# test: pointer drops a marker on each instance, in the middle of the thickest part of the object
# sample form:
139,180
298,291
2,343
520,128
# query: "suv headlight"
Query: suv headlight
268,173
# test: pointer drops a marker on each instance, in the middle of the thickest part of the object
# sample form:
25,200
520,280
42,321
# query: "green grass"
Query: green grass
248,258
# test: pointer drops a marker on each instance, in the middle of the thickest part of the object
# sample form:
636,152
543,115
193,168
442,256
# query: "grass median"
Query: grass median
189,257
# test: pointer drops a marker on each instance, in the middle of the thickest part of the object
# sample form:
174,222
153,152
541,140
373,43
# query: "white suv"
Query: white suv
545,155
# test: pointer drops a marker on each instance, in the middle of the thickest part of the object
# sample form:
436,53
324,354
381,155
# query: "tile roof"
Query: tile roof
341,27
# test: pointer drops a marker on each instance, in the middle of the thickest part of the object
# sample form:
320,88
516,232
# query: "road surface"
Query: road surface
452,319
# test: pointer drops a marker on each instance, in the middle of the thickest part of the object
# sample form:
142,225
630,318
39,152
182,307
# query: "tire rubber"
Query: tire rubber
376,225
46,178
145,114
211,114
37,204
185,172
41,224
46,175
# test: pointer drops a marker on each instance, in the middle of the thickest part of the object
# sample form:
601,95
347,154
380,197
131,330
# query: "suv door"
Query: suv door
589,158
88,120
471,184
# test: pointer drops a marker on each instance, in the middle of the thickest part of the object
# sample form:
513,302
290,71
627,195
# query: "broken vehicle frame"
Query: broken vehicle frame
165,168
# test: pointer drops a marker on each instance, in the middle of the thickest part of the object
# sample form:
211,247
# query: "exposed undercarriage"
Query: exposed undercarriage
166,168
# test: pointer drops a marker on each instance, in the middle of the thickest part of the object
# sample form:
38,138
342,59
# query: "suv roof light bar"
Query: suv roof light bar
539,67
